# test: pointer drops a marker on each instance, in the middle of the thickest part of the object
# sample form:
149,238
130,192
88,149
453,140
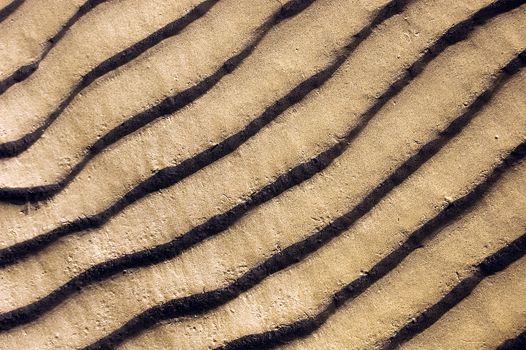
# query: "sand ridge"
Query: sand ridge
239,174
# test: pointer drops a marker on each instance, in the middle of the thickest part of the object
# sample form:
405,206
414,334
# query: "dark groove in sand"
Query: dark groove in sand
517,343
25,72
14,148
217,224
35,193
430,229
171,175
9,9
167,106
220,222
491,265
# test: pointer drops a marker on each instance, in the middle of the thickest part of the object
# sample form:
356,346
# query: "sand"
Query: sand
335,175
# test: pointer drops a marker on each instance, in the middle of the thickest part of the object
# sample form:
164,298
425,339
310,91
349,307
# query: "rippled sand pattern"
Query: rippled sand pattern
256,174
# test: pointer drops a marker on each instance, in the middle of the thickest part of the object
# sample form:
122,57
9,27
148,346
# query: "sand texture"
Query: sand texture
257,174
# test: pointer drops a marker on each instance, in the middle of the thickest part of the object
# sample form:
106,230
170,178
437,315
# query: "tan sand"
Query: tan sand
291,52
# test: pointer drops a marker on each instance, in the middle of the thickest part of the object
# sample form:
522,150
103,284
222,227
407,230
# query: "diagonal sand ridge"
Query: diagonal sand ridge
303,174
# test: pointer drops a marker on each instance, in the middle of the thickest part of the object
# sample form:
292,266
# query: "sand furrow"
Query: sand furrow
514,343
9,8
482,270
104,236
291,295
26,33
424,80
198,304
77,67
495,310
225,174
95,220
116,207
126,91
35,193
26,70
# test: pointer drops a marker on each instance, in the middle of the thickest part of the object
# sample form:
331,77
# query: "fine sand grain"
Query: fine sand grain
239,174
